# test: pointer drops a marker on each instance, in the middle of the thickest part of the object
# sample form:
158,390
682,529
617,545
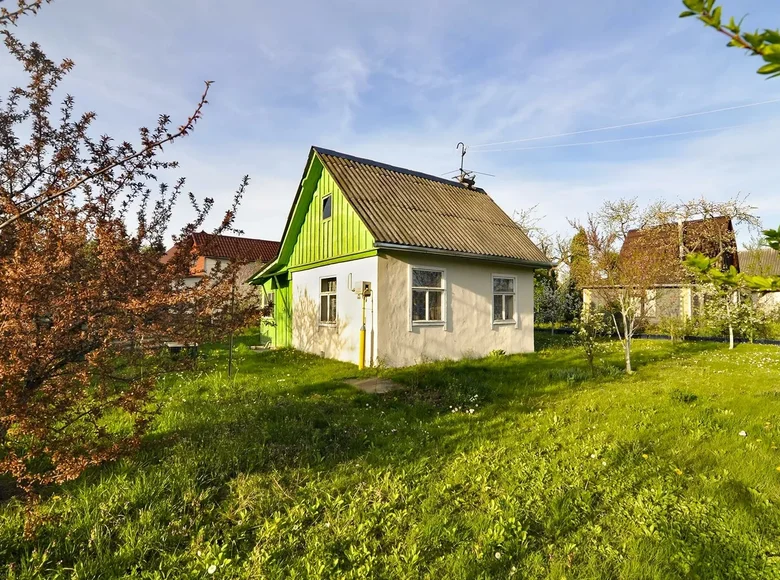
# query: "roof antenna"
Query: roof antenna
465,177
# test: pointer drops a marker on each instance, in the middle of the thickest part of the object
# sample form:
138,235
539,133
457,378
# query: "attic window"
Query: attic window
327,206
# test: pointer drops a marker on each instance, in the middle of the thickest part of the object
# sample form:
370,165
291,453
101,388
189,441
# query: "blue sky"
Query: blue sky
403,82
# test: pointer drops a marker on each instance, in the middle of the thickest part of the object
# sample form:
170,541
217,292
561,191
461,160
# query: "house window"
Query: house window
267,303
503,299
327,207
427,295
327,300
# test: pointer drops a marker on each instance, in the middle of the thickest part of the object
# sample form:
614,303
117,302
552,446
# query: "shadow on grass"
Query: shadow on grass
282,419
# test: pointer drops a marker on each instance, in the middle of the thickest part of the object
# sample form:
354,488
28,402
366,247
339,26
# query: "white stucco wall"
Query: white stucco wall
341,340
769,302
469,328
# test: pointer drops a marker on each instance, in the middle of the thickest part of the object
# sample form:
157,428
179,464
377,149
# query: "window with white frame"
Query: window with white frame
503,299
267,302
427,295
327,301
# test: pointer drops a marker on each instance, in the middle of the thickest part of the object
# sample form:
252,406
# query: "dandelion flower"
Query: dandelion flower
498,555
644,455
678,471
212,569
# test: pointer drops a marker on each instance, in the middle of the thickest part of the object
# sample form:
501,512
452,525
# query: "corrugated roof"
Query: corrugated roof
763,262
232,248
407,208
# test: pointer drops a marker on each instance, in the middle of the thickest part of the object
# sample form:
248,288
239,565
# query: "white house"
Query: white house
434,267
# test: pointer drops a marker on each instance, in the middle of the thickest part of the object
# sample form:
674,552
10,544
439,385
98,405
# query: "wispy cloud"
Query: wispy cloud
404,82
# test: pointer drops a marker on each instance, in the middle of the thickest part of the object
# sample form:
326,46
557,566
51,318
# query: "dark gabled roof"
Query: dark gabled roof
410,209
667,244
761,262
231,248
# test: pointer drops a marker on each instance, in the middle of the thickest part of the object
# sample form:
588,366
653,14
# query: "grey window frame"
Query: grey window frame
515,320
428,290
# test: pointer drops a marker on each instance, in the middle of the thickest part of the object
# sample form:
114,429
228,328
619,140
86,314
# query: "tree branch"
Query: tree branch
10,17
183,131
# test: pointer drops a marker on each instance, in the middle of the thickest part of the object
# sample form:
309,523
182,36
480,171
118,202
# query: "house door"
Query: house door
283,311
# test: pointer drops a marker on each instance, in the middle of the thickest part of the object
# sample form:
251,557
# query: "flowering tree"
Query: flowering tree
621,281
590,327
85,300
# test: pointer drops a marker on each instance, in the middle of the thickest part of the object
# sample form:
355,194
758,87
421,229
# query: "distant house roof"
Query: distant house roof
668,244
407,209
232,248
762,262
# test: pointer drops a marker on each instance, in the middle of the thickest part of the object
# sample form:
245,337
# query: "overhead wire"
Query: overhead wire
624,125
580,144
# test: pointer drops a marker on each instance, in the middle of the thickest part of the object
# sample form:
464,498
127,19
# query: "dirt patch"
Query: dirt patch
374,385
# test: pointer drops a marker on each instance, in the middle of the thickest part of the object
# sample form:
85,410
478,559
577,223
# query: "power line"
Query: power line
609,140
636,124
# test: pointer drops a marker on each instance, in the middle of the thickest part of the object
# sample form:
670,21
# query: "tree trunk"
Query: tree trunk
627,334
731,326
627,348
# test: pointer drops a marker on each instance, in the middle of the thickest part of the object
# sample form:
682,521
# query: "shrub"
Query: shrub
590,327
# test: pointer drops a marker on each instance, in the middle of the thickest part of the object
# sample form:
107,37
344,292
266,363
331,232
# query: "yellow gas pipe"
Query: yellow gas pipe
362,362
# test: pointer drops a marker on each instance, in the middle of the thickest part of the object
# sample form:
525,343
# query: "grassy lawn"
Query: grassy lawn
291,473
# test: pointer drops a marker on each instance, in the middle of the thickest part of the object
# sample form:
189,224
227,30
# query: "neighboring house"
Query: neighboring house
209,251
449,273
673,293
762,262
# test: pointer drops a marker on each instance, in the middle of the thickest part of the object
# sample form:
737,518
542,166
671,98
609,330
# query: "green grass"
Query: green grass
291,473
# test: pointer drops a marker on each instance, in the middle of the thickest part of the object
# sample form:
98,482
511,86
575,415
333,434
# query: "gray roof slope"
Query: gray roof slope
408,208
762,262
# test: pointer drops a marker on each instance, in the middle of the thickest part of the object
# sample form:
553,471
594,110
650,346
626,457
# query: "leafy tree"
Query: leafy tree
764,43
723,291
86,300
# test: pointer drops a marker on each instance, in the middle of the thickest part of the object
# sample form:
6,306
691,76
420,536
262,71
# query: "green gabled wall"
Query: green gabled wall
343,235
310,242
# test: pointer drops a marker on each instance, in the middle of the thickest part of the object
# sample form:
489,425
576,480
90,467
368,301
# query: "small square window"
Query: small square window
327,207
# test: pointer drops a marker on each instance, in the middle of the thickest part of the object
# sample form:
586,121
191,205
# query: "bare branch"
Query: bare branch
182,131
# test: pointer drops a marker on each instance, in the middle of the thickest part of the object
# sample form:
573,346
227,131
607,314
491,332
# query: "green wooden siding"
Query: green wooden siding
281,333
343,234
310,241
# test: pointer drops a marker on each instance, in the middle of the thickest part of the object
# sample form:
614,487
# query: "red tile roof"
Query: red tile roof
232,248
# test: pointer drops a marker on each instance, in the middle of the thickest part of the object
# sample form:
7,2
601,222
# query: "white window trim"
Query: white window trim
515,315
320,322
444,298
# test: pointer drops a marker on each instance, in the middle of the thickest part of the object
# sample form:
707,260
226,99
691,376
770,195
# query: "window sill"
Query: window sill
427,323
328,324
504,323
